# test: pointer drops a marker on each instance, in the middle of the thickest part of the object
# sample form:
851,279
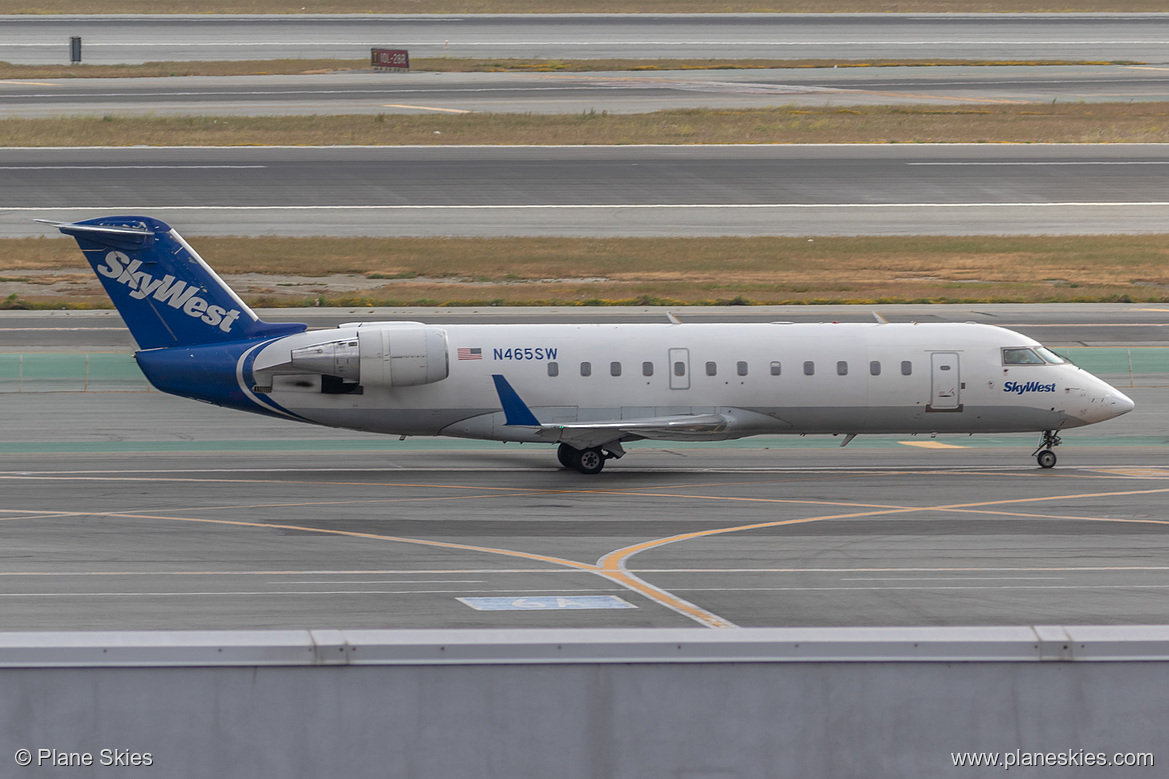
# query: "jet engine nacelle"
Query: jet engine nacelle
386,356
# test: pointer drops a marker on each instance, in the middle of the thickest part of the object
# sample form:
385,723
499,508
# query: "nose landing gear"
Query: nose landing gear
1043,455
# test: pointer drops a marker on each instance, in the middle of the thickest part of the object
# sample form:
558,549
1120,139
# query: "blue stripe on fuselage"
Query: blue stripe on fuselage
208,373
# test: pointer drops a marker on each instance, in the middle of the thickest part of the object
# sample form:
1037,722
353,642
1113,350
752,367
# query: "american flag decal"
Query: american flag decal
470,354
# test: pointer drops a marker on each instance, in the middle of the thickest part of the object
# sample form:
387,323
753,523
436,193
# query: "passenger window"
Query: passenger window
614,369
647,369
809,368
1021,357
553,369
906,368
741,367
842,368
875,368
711,369
775,368
679,368
586,369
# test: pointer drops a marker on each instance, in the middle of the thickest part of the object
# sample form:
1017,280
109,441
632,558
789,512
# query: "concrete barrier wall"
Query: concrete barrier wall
585,703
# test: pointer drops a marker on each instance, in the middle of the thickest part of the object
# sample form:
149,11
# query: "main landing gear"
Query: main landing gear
587,461
1043,455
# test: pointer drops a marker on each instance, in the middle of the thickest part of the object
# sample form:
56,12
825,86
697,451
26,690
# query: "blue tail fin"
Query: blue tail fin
163,289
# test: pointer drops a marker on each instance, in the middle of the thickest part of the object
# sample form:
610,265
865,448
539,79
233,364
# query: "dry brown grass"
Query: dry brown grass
565,6
571,271
1031,123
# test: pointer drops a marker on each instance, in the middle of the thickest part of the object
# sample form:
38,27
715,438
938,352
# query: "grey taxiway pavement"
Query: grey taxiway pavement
127,39
1057,325
135,510
138,510
611,190
366,92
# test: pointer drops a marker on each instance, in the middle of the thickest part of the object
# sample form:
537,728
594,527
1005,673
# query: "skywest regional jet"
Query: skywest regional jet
588,388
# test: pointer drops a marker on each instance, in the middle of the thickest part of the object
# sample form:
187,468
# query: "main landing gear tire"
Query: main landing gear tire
565,455
589,461
1046,459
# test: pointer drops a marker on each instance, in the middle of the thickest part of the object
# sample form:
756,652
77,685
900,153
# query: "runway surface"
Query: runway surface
1056,324
138,510
614,190
131,39
132,510
551,93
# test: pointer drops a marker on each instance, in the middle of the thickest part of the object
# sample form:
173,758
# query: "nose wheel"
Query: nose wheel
1043,455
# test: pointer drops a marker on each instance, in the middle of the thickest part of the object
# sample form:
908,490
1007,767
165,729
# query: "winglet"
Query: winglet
880,319
514,409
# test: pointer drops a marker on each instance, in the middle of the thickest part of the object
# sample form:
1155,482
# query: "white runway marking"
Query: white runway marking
1085,162
571,206
947,578
624,43
387,581
273,592
125,167
932,587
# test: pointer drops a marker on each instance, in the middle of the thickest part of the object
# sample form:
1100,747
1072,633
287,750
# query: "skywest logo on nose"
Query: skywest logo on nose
175,294
1031,386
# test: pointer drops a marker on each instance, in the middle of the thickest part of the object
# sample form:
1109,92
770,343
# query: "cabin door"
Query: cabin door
679,363
945,382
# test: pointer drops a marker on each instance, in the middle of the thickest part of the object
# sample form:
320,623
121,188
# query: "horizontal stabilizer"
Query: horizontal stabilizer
133,238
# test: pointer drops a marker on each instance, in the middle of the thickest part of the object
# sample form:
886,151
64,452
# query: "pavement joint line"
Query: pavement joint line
628,581
546,571
590,206
840,471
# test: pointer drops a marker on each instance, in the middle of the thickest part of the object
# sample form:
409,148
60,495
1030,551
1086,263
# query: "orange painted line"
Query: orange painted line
353,534
626,580
616,560
688,496
668,599
68,477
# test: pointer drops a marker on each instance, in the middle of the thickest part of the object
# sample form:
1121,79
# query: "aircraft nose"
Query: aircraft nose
1119,403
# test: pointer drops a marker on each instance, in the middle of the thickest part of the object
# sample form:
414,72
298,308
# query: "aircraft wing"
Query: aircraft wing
583,435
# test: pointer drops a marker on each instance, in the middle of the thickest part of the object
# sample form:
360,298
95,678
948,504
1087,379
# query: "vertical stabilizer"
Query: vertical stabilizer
165,292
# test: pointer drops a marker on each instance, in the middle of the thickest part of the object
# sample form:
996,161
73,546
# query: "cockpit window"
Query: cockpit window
1021,357
1050,356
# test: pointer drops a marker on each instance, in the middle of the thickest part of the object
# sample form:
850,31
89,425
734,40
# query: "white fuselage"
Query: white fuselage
765,378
